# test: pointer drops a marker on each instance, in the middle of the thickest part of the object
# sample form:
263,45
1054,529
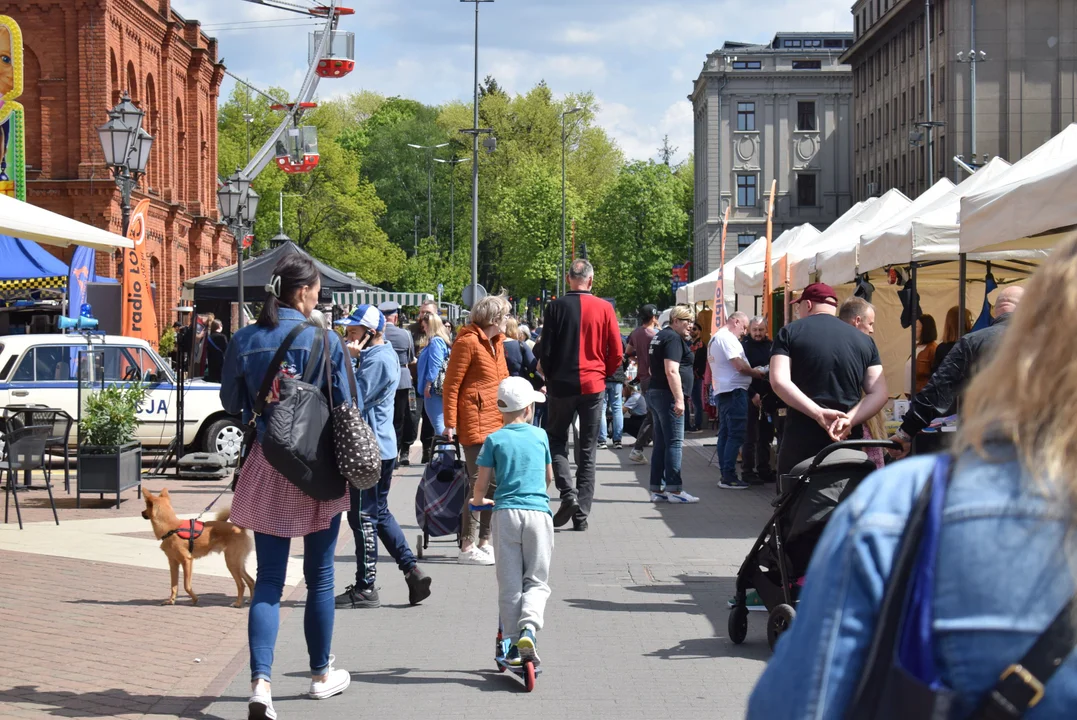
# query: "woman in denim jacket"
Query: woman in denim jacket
267,503
1006,558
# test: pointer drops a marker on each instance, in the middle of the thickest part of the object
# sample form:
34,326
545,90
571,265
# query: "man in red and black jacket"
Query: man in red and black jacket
581,345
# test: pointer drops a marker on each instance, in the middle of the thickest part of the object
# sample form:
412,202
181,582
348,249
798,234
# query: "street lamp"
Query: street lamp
429,183
452,199
561,280
126,147
238,204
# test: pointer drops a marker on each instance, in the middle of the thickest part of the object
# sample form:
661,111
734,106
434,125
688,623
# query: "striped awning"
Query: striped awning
377,297
54,286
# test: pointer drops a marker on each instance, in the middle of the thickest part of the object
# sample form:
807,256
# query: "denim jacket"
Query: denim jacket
431,360
1003,571
250,352
378,378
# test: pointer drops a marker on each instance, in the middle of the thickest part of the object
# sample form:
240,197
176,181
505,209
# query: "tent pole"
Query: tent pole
912,329
962,262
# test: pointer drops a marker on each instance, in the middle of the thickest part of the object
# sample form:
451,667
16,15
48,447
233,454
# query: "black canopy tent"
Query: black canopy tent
221,285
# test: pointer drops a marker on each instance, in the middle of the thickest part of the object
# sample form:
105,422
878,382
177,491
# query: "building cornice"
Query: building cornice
877,29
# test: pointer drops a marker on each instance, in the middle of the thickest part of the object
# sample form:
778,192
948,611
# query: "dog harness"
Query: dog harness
189,532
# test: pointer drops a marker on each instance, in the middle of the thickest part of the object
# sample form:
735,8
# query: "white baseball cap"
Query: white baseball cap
516,393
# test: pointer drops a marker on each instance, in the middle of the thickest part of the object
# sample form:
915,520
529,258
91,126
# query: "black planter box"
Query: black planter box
108,470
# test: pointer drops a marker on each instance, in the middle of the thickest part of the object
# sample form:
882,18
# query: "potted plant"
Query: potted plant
167,344
109,459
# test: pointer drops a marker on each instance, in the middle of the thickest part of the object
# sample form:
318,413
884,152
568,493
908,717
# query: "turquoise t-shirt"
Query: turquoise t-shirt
519,454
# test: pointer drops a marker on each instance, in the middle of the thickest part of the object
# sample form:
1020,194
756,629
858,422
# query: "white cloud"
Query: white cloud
640,139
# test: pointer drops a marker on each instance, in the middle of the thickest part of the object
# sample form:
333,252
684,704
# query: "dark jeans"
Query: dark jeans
668,442
698,415
646,430
374,504
732,423
426,432
802,438
264,619
404,421
755,454
633,424
560,413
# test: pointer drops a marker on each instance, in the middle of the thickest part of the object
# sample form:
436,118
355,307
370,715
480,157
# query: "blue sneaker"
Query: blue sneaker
658,497
513,657
528,646
732,483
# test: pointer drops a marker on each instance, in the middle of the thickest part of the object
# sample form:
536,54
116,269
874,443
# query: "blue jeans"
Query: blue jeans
697,404
612,399
732,424
435,412
668,439
375,508
264,619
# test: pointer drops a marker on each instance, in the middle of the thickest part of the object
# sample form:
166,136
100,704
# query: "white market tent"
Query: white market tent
749,276
30,222
702,290
1030,205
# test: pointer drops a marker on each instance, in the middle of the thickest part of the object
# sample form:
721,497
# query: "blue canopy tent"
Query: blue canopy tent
26,267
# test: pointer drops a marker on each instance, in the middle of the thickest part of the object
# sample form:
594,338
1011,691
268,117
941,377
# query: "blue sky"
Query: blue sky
639,58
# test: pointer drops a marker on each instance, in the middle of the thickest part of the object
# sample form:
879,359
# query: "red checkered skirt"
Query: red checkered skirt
266,502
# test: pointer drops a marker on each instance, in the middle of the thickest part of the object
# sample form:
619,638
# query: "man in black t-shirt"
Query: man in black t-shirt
828,373
670,360
216,344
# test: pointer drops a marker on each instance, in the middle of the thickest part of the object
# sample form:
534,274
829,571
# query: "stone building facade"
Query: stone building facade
80,55
1025,82
780,111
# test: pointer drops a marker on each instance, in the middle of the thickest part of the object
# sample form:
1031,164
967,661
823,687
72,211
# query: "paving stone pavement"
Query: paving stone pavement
635,628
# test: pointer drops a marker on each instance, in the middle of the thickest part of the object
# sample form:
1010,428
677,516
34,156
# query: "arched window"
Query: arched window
203,145
132,82
114,74
150,124
157,287
180,190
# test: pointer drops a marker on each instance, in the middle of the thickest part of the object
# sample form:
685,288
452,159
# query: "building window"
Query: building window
920,31
813,43
856,22
744,240
941,93
806,190
886,116
833,43
878,66
746,116
895,115
747,65
940,16
871,74
904,106
806,116
746,187
807,64
922,97
792,43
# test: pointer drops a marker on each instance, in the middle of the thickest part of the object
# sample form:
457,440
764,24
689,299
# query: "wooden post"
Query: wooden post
718,316
768,278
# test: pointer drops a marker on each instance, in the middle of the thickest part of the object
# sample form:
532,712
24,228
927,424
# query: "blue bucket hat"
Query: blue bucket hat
366,316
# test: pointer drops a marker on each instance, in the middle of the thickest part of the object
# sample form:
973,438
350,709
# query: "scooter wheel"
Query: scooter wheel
500,668
529,676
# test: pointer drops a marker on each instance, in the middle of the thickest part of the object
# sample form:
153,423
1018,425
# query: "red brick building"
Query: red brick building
80,55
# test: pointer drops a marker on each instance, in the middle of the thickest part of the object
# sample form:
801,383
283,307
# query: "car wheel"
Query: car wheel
224,437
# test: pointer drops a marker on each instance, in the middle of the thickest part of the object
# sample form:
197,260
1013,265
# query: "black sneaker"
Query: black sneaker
353,597
579,526
426,456
568,508
418,585
403,461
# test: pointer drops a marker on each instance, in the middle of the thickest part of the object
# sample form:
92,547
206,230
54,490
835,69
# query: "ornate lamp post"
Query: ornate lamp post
126,146
238,204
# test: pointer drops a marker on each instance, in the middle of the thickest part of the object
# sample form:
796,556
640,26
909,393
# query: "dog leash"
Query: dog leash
214,502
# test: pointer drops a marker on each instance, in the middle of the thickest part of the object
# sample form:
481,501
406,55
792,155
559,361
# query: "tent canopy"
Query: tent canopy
22,259
23,220
221,284
702,290
749,275
377,297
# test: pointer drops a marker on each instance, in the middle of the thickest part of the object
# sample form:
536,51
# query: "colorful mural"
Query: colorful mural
12,114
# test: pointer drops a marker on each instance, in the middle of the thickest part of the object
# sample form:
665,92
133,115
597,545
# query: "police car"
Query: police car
43,370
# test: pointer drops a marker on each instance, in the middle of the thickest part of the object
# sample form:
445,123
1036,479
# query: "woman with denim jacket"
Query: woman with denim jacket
433,355
266,502
1007,552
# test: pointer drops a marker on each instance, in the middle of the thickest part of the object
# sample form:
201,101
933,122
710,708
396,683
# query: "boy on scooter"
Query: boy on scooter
516,459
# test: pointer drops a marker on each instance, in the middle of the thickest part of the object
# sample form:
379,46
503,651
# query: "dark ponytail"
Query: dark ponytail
291,273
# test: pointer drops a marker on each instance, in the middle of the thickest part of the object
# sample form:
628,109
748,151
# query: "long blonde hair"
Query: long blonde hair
512,328
434,328
1024,394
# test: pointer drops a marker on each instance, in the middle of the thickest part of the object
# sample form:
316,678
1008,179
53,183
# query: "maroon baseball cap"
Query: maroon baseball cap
819,293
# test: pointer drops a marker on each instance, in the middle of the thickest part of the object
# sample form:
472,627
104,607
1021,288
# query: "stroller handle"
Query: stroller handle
851,445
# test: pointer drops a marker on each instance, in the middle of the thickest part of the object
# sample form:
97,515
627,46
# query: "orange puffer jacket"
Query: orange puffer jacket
476,367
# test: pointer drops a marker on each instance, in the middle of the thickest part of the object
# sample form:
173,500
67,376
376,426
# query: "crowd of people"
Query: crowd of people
514,401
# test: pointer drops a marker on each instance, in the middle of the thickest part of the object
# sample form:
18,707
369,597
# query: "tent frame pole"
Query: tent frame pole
914,315
962,280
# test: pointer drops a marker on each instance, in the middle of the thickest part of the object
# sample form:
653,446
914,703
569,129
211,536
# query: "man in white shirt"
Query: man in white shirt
732,375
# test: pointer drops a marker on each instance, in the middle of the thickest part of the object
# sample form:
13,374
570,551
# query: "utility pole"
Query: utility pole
928,97
561,279
452,198
475,162
429,183
416,234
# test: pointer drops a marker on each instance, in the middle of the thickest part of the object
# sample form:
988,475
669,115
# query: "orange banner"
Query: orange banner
718,316
768,276
139,318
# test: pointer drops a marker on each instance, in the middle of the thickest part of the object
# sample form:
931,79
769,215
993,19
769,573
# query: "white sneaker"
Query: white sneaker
260,706
659,497
637,457
681,497
602,445
336,681
474,556
488,550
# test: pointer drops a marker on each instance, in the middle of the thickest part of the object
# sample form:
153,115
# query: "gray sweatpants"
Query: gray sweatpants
523,542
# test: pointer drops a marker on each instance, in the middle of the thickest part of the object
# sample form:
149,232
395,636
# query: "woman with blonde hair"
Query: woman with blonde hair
518,357
476,367
434,347
991,545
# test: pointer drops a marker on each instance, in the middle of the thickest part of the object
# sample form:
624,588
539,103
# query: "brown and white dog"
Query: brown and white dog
182,541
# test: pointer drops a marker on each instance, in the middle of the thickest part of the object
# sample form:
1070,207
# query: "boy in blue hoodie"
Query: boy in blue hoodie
518,457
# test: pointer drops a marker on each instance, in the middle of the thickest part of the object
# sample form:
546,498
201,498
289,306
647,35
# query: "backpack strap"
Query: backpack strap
1021,685
274,368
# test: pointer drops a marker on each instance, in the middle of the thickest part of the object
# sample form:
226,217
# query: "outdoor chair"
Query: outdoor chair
24,451
16,416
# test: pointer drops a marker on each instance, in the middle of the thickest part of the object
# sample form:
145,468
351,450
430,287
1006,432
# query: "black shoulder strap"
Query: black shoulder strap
1020,687
315,352
274,367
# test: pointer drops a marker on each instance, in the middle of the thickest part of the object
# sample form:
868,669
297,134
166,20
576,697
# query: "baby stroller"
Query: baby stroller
441,495
780,556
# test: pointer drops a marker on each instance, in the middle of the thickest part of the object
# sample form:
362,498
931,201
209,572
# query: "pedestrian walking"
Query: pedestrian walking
404,420
216,347
613,420
433,358
518,457
670,359
580,348
732,374
266,502
699,371
377,376
639,343
476,368
759,434
426,431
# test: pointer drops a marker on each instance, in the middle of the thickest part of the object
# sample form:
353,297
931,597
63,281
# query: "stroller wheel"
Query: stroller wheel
738,624
779,621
